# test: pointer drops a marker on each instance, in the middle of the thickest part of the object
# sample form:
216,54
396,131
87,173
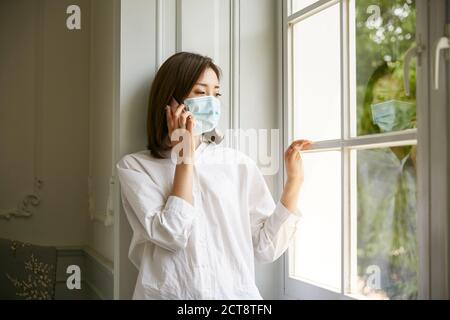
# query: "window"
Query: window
347,91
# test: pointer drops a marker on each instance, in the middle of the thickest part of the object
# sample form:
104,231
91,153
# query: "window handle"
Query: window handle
442,44
410,54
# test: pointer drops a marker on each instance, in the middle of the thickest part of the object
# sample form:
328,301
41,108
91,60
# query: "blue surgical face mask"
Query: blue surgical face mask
206,111
393,115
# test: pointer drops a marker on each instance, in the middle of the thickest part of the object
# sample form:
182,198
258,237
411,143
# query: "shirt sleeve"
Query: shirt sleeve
166,222
273,225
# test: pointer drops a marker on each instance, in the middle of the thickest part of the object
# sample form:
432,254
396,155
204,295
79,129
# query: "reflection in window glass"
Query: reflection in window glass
385,30
317,76
387,257
318,243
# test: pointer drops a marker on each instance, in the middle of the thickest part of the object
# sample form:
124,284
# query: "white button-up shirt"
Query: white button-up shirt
206,250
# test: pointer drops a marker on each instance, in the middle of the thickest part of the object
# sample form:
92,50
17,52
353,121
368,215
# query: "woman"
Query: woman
199,221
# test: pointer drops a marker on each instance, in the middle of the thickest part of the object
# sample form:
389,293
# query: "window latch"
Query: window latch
442,44
409,55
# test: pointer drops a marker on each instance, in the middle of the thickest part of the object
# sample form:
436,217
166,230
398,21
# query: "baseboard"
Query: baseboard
97,279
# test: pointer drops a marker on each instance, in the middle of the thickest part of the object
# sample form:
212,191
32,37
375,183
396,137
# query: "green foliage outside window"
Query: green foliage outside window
386,228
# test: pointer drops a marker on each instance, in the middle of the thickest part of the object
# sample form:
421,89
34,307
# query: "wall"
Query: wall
58,91
241,36
43,120
260,98
62,88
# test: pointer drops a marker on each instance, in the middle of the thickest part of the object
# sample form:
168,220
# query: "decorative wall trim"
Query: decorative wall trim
235,37
39,115
159,48
106,217
26,208
217,16
114,192
91,197
23,210
179,25
117,34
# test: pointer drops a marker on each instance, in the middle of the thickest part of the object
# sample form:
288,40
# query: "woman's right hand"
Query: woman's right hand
180,119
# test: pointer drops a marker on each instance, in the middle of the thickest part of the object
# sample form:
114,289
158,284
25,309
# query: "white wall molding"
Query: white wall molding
179,25
116,152
26,208
101,188
217,35
160,4
235,38
91,197
166,32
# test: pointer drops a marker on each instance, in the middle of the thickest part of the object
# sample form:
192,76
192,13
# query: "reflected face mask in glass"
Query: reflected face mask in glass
206,111
393,115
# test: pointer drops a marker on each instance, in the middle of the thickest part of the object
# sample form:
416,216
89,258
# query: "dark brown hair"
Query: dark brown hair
176,78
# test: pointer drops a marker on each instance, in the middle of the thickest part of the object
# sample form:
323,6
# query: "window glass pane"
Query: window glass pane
384,31
317,76
301,4
317,248
387,257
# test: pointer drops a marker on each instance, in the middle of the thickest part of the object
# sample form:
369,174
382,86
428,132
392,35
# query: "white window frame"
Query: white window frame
430,286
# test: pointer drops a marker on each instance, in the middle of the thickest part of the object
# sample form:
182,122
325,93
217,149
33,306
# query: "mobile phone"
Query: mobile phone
173,104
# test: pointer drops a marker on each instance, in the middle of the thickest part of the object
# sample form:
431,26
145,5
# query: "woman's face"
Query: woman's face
207,85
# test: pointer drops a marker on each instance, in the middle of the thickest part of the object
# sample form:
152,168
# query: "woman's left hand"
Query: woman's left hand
293,159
